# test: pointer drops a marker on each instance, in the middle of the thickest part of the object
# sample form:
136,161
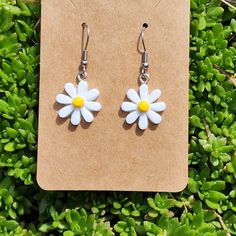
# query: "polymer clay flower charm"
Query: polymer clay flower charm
79,103
143,106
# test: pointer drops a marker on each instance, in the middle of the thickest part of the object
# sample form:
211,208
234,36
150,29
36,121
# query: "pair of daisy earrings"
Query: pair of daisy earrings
80,101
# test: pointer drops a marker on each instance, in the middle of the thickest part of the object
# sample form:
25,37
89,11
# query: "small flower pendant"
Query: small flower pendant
143,106
79,103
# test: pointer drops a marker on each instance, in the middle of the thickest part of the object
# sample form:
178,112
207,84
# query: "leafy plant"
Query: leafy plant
206,207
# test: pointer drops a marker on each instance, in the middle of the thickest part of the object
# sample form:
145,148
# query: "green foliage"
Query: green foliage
73,222
206,207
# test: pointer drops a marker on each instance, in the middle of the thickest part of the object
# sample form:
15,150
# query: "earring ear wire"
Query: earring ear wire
82,75
144,76
80,101
143,106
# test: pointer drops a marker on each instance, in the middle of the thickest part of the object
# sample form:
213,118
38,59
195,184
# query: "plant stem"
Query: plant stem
229,76
223,224
207,127
165,234
229,4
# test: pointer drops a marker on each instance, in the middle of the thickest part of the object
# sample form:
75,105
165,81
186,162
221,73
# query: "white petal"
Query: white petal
143,121
87,115
143,91
154,95
93,106
128,106
154,117
92,94
75,117
63,99
70,89
132,117
133,96
65,111
82,87
158,106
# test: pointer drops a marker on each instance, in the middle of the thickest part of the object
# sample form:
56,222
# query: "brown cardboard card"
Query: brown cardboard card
108,154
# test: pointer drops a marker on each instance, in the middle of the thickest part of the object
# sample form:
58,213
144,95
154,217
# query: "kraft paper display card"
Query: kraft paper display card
109,154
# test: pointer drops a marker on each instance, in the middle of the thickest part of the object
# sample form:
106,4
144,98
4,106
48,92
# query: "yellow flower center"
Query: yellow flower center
143,106
78,102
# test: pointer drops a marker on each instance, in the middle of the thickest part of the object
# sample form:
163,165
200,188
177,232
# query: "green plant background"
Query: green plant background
206,207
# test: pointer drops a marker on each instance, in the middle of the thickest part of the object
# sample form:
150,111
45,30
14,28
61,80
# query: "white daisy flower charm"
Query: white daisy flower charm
143,107
79,103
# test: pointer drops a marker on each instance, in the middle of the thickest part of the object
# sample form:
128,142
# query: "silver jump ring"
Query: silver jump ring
144,78
82,76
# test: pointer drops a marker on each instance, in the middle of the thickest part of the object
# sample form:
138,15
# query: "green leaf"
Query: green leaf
202,23
216,196
232,194
151,203
212,205
196,122
4,107
45,228
135,213
68,233
215,11
9,224
6,183
233,25
10,147
12,133
193,186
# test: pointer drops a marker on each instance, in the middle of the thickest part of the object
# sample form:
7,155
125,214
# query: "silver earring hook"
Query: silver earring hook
82,75
85,27
144,76
142,38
